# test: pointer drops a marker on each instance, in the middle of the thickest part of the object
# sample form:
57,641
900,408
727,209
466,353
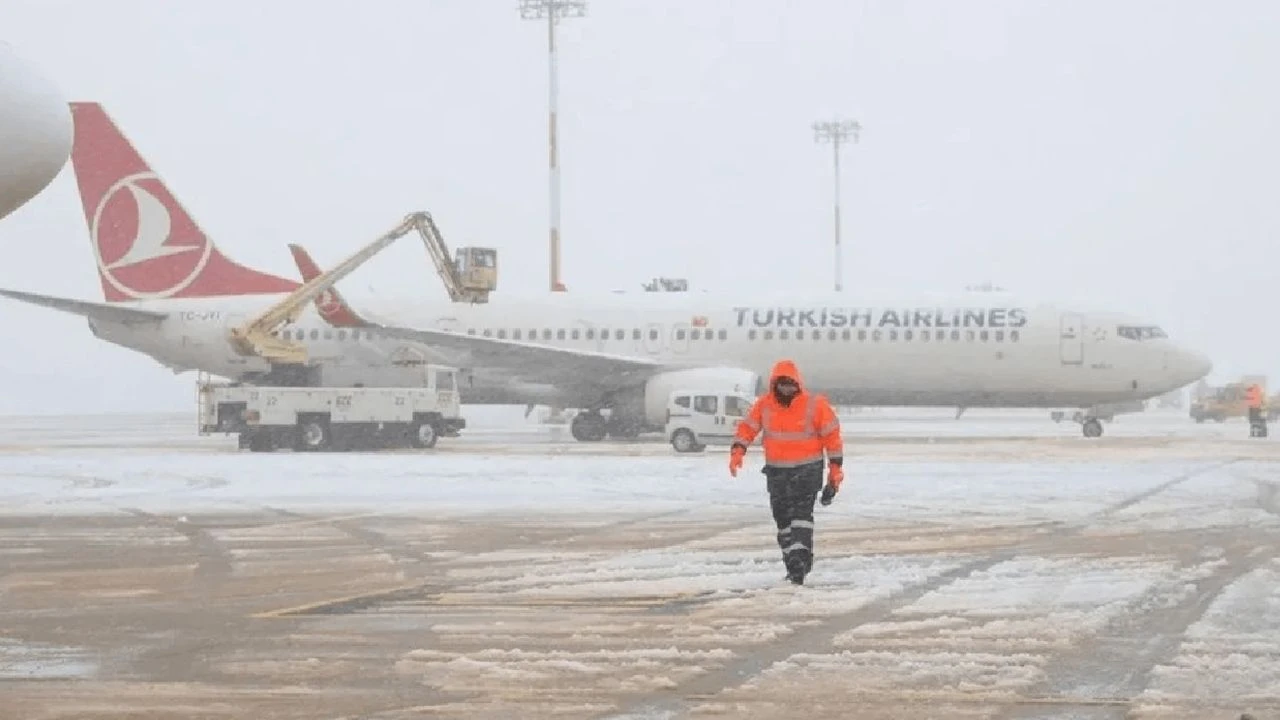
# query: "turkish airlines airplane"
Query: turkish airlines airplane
171,294
35,132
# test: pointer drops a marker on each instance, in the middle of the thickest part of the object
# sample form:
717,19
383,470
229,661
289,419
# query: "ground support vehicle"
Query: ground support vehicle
331,418
697,418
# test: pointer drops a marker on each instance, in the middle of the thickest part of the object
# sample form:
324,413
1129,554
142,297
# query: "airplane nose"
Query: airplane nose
1195,364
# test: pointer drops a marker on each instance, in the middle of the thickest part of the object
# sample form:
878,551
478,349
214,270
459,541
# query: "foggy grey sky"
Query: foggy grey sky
1119,154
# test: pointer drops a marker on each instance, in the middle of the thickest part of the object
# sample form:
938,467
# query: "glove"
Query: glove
736,456
828,494
835,476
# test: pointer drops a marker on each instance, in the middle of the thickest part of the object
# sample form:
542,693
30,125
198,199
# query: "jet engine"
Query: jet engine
36,125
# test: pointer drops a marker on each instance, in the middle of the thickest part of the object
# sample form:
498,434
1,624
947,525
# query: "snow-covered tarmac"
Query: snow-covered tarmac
150,573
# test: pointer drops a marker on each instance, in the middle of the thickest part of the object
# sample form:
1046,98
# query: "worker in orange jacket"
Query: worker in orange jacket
1253,398
797,427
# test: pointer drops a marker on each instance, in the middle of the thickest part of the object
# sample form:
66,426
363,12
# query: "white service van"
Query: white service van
696,419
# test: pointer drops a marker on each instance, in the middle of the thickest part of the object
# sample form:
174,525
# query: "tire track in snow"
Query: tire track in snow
1118,661
213,560
189,652
818,638
421,567
406,551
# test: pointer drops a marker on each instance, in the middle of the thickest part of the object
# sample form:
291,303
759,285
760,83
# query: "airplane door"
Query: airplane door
680,338
1071,339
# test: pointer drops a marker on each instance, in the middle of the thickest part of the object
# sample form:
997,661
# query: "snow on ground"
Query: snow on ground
683,579
969,493
40,661
1233,650
992,633
1227,497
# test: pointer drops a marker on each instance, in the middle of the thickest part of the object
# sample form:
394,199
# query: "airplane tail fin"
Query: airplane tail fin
146,244
331,306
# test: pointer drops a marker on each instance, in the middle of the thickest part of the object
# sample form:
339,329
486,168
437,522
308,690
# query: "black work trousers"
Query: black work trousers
792,493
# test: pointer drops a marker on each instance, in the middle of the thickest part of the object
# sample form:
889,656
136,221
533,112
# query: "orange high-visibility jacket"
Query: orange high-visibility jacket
796,434
1253,396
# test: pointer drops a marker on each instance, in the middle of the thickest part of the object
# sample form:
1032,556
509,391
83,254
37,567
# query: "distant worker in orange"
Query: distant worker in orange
1253,398
796,428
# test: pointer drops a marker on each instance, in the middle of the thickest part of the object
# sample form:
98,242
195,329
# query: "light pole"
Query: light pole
552,11
836,132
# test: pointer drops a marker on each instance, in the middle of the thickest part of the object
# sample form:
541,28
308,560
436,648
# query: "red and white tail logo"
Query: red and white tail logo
329,303
146,245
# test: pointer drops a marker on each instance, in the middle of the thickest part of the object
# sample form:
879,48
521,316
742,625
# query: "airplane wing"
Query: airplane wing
84,308
537,363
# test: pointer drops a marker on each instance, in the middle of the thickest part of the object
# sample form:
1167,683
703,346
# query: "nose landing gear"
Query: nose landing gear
1090,421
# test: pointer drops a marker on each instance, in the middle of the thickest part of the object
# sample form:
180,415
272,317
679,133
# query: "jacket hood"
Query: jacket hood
788,368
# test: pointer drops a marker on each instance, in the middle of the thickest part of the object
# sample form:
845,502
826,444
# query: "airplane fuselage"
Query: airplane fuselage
980,353
168,291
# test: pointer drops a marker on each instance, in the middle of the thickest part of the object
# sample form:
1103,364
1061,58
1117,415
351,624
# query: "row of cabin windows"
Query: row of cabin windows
593,334
697,334
892,335
328,334
575,334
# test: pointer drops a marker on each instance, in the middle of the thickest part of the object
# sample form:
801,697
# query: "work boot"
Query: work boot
795,571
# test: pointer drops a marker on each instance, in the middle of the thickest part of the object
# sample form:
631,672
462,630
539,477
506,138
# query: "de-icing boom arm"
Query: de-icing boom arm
255,337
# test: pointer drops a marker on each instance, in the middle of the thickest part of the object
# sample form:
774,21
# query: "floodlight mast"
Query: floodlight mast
552,11
836,132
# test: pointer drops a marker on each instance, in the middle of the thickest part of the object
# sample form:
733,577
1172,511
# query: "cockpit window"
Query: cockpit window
1140,332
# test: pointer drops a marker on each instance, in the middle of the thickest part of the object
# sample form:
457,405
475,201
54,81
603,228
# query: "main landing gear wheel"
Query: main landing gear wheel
588,426
1092,427
622,427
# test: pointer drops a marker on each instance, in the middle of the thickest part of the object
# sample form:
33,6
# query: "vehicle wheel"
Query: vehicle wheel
1092,428
684,441
424,435
313,435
